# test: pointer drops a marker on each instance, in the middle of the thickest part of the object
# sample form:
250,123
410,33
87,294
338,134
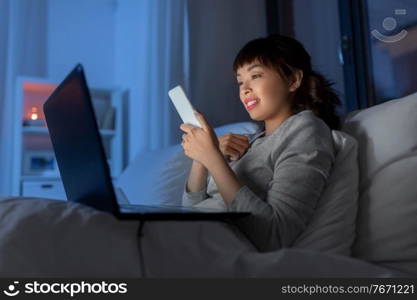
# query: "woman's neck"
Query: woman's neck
273,124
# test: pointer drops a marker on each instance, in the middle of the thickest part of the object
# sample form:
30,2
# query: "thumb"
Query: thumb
202,120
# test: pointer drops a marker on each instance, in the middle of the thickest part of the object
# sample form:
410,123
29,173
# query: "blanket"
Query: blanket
50,238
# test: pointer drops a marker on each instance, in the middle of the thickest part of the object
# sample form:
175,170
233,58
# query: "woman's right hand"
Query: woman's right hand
233,145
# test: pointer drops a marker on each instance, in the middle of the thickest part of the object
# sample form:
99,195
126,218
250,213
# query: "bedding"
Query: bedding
209,249
387,223
50,238
388,236
159,176
385,133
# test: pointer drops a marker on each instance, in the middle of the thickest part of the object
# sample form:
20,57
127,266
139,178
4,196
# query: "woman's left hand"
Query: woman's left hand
200,144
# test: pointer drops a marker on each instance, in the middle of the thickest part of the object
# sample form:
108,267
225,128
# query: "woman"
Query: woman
280,176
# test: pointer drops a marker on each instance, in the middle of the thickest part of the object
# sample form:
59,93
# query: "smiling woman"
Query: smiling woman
288,78
282,172
265,94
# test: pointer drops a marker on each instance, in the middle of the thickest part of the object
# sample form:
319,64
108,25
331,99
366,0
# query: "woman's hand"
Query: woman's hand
200,144
233,145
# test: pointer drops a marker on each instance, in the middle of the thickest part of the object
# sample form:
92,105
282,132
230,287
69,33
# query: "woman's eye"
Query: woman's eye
254,76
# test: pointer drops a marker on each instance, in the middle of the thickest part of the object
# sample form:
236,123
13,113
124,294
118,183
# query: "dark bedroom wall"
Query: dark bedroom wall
316,25
218,29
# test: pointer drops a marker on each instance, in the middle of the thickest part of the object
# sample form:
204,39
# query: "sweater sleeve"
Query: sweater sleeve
301,165
193,198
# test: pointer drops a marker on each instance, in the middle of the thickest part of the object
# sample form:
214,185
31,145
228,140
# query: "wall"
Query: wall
219,29
316,25
129,34
101,34
107,36
82,31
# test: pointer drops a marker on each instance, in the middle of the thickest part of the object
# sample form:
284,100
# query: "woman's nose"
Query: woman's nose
246,89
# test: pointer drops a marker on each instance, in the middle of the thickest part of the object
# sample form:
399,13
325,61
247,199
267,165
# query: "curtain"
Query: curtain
163,64
22,52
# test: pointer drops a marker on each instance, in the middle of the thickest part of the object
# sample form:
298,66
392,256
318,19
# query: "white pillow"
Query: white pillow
156,176
384,132
238,128
332,228
387,219
159,176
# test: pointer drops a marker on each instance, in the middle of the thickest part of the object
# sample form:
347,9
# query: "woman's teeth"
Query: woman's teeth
251,104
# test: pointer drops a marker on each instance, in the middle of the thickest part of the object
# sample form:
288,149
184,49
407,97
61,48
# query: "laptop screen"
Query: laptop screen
77,144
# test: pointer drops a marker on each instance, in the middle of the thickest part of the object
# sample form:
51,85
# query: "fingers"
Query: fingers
236,139
184,139
189,129
186,127
241,150
239,137
239,147
202,120
232,145
227,150
233,149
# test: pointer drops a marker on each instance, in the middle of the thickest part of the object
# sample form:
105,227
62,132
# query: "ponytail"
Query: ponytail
316,93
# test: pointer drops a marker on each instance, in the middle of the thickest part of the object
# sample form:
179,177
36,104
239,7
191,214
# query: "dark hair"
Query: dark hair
283,54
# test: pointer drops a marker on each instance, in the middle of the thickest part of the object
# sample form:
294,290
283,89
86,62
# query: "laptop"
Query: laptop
82,162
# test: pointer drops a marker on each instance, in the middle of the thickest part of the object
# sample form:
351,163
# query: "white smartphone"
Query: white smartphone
183,106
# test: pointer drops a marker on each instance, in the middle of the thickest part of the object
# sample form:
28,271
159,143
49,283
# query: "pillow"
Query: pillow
387,220
332,228
156,176
238,128
386,224
384,133
159,176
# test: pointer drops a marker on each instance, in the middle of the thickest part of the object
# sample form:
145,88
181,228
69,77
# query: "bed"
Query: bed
364,226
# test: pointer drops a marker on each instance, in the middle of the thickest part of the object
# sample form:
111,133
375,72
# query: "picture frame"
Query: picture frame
40,163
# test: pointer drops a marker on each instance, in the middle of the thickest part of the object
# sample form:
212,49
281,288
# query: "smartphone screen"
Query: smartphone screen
183,106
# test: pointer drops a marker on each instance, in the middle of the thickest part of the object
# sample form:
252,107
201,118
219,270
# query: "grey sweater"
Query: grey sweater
284,175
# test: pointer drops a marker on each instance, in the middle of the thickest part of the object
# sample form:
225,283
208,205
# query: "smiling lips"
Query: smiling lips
250,103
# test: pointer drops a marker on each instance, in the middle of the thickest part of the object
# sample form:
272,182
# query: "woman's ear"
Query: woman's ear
297,78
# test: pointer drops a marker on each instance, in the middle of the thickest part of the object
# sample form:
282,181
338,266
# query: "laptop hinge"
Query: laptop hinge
121,196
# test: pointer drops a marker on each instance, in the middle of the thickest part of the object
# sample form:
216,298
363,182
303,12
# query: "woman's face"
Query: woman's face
263,92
